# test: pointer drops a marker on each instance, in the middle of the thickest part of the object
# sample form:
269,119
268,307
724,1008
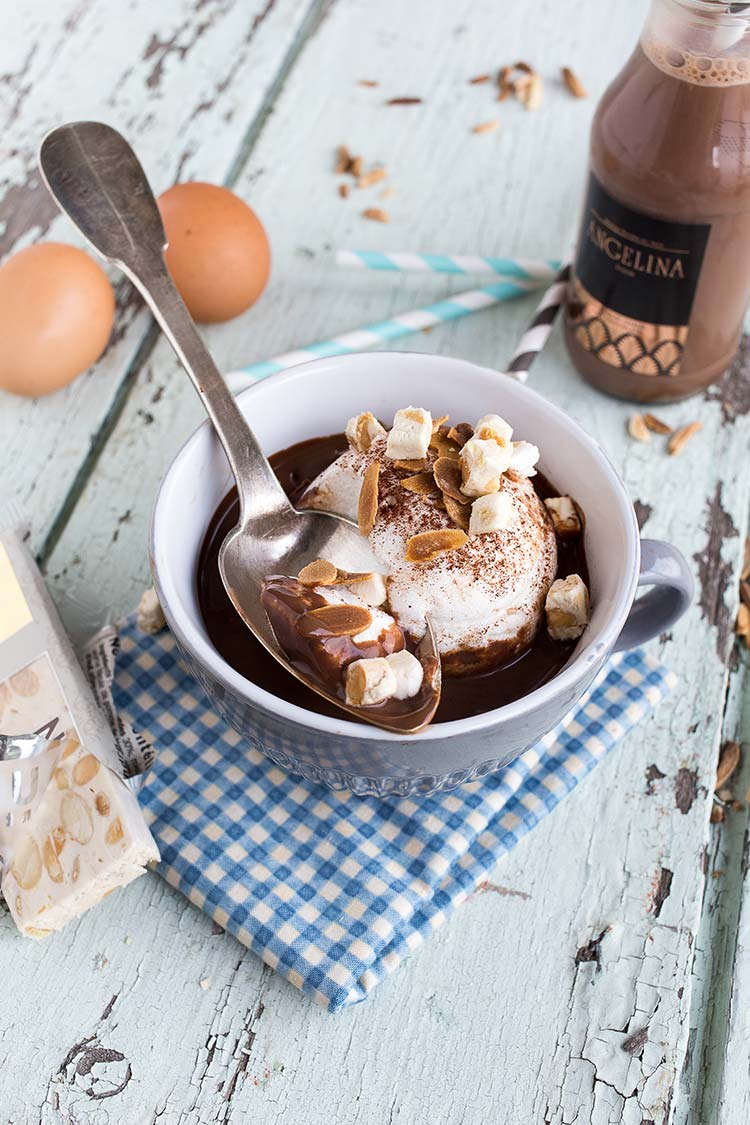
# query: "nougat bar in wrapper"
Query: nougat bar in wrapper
71,829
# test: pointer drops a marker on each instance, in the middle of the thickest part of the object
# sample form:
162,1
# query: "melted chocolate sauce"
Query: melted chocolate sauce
295,468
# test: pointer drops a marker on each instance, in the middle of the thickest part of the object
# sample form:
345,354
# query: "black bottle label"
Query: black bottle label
633,285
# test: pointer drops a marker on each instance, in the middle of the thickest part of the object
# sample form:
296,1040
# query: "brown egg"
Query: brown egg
218,251
56,314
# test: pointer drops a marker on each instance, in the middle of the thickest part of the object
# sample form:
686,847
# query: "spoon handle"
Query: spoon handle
259,490
97,180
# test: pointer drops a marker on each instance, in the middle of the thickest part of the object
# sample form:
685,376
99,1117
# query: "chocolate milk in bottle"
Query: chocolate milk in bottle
661,276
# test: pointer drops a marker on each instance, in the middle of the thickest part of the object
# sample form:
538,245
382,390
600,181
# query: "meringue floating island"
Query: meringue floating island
457,526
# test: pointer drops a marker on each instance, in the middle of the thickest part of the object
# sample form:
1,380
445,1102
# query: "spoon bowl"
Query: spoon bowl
96,179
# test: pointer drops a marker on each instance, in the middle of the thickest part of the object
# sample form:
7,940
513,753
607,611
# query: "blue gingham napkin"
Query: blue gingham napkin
333,891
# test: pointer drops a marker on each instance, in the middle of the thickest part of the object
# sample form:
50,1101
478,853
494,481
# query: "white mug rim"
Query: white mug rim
182,625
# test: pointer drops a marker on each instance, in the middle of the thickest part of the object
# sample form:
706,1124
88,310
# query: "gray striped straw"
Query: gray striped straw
538,332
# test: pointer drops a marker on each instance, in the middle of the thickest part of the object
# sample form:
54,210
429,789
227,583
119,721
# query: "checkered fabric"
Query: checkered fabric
333,891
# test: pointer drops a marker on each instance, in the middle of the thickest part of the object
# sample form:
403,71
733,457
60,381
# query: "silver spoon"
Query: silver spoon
96,179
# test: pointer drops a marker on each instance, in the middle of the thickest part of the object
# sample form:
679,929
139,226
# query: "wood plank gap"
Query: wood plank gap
316,13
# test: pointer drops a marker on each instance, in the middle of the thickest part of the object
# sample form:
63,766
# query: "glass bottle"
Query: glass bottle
661,277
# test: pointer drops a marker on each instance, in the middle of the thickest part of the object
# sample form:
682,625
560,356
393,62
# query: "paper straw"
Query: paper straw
538,332
452,308
525,268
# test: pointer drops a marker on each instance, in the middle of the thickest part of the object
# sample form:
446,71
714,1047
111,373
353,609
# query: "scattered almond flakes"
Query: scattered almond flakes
478,79
681,437
573,83
335,621
368,499
729,759
459,513
447,472
637,428
404,101
656,425
377,214
421,483
742,626
367,82
343,190
374,176
486,126
318,573
427,545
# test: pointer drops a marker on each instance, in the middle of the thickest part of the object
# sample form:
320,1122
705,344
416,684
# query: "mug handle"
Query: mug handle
664,568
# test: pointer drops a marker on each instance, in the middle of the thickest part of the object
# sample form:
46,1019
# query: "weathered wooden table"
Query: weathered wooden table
604,974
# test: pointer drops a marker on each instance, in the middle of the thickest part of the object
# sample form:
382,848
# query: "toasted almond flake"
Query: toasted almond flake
656,424
448,476
459,513
415,466
745,572
524,67
637,428
421,483
343,190
573,83
102,804
318,573
374,176
529,90
681,437
404,101
368,499
377,214
742,626
729,759
356,165
334,621
350,578
427,545
486,126
387,193
478,79
443,445
58,837
438,422
460,433
367,82
343,159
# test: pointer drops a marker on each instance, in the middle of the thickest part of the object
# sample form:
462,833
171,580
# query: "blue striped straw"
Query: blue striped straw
452,308
525,268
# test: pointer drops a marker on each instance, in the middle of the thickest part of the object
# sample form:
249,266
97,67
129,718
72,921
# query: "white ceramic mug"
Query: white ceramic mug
316,399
